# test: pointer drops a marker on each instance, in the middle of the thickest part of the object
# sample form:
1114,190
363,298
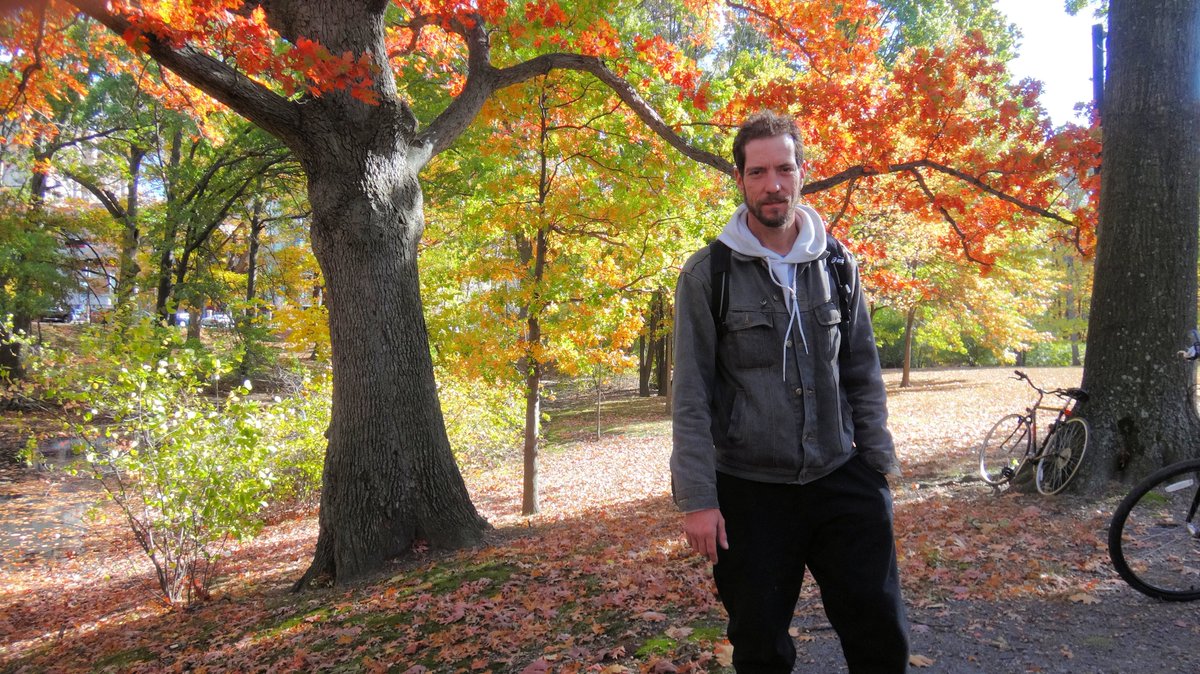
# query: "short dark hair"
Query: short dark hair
765,124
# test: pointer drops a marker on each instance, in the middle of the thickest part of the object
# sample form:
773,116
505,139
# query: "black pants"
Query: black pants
840,527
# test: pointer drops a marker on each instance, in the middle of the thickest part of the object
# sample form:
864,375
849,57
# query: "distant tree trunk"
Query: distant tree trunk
533,381
668,371
533,412
1072,311
244,322
1142,409
662,342
166,254
131,235
909,328
11,367
599,379
257,224
645,362
650,346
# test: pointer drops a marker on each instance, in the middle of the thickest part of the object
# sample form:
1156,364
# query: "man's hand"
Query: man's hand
705,530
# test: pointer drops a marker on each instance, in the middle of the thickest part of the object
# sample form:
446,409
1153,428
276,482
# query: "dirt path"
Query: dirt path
1125,633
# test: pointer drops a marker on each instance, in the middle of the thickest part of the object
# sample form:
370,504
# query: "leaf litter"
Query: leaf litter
600,580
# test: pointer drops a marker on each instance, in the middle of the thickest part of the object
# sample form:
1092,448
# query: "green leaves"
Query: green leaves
192,470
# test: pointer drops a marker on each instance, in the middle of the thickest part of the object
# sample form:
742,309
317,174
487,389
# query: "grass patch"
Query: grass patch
449,579
659,645
126,658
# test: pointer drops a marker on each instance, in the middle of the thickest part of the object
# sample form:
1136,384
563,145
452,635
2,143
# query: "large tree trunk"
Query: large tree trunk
390,478
1141,409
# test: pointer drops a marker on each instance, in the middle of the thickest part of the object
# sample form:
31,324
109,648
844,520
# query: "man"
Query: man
780,424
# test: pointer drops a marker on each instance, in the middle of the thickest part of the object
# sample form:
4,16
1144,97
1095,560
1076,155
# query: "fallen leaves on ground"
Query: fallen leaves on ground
600,581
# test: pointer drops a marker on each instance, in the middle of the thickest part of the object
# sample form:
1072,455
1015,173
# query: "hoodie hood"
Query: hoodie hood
809,245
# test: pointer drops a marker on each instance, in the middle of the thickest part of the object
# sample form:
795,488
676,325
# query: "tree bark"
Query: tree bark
389,478
662,336
1072,309
645,360
11,367
909,323
131,236
1141,410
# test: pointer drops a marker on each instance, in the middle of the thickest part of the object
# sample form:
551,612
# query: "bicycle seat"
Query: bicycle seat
1077,393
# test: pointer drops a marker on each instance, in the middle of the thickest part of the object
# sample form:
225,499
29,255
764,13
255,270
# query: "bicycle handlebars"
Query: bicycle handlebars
1076,393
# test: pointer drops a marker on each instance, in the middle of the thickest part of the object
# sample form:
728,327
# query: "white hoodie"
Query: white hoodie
809,246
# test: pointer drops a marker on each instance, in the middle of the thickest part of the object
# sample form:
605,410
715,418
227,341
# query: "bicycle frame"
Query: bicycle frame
1016,442
1037,448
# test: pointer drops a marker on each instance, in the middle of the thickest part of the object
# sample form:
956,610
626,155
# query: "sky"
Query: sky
1055,48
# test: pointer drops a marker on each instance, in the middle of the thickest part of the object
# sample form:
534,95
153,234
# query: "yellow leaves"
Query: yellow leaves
1084,598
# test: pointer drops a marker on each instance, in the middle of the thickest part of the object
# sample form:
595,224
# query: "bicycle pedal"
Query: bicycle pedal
1008,472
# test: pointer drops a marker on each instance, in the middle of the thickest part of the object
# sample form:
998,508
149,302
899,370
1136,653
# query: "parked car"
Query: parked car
217,320
59,314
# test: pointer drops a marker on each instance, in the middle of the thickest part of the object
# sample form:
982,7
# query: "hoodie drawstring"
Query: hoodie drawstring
789,290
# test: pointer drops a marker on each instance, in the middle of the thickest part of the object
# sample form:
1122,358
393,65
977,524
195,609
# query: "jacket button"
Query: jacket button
788,343
799,391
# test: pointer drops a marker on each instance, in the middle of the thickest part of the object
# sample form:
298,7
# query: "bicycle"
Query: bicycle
1154,537
1013,442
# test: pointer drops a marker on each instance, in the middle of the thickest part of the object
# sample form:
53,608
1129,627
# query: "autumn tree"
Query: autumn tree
321,76
546,232
1142,408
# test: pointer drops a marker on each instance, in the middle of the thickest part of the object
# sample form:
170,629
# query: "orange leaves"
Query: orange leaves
549,14
667,59
318,71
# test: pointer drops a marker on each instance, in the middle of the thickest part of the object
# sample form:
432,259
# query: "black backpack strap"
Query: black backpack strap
719,262
843,274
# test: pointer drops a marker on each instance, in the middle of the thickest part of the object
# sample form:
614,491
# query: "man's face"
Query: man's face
770,182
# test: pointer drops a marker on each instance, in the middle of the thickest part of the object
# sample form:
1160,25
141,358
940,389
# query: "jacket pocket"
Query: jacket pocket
750,340
829,318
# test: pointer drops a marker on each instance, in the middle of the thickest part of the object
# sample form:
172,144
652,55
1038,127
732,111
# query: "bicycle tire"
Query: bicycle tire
1151,542
1004,449
1062,456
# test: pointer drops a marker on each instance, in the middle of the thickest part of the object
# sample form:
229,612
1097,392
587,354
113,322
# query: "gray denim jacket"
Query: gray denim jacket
738,408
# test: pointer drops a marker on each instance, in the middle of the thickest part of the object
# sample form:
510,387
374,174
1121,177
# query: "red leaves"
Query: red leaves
318,71
549,14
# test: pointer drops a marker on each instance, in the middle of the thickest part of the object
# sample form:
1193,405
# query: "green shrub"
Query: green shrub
190,471
1051,354
484,419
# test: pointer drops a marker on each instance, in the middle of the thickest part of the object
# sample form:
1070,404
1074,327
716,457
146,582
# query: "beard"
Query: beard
758,210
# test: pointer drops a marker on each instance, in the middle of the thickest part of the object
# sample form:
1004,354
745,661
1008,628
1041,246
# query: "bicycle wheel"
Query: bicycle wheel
1154,538
1003,449
1063,453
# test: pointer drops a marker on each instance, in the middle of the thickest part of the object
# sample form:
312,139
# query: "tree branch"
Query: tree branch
275,114
862,171
966,246
483,80
106,198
